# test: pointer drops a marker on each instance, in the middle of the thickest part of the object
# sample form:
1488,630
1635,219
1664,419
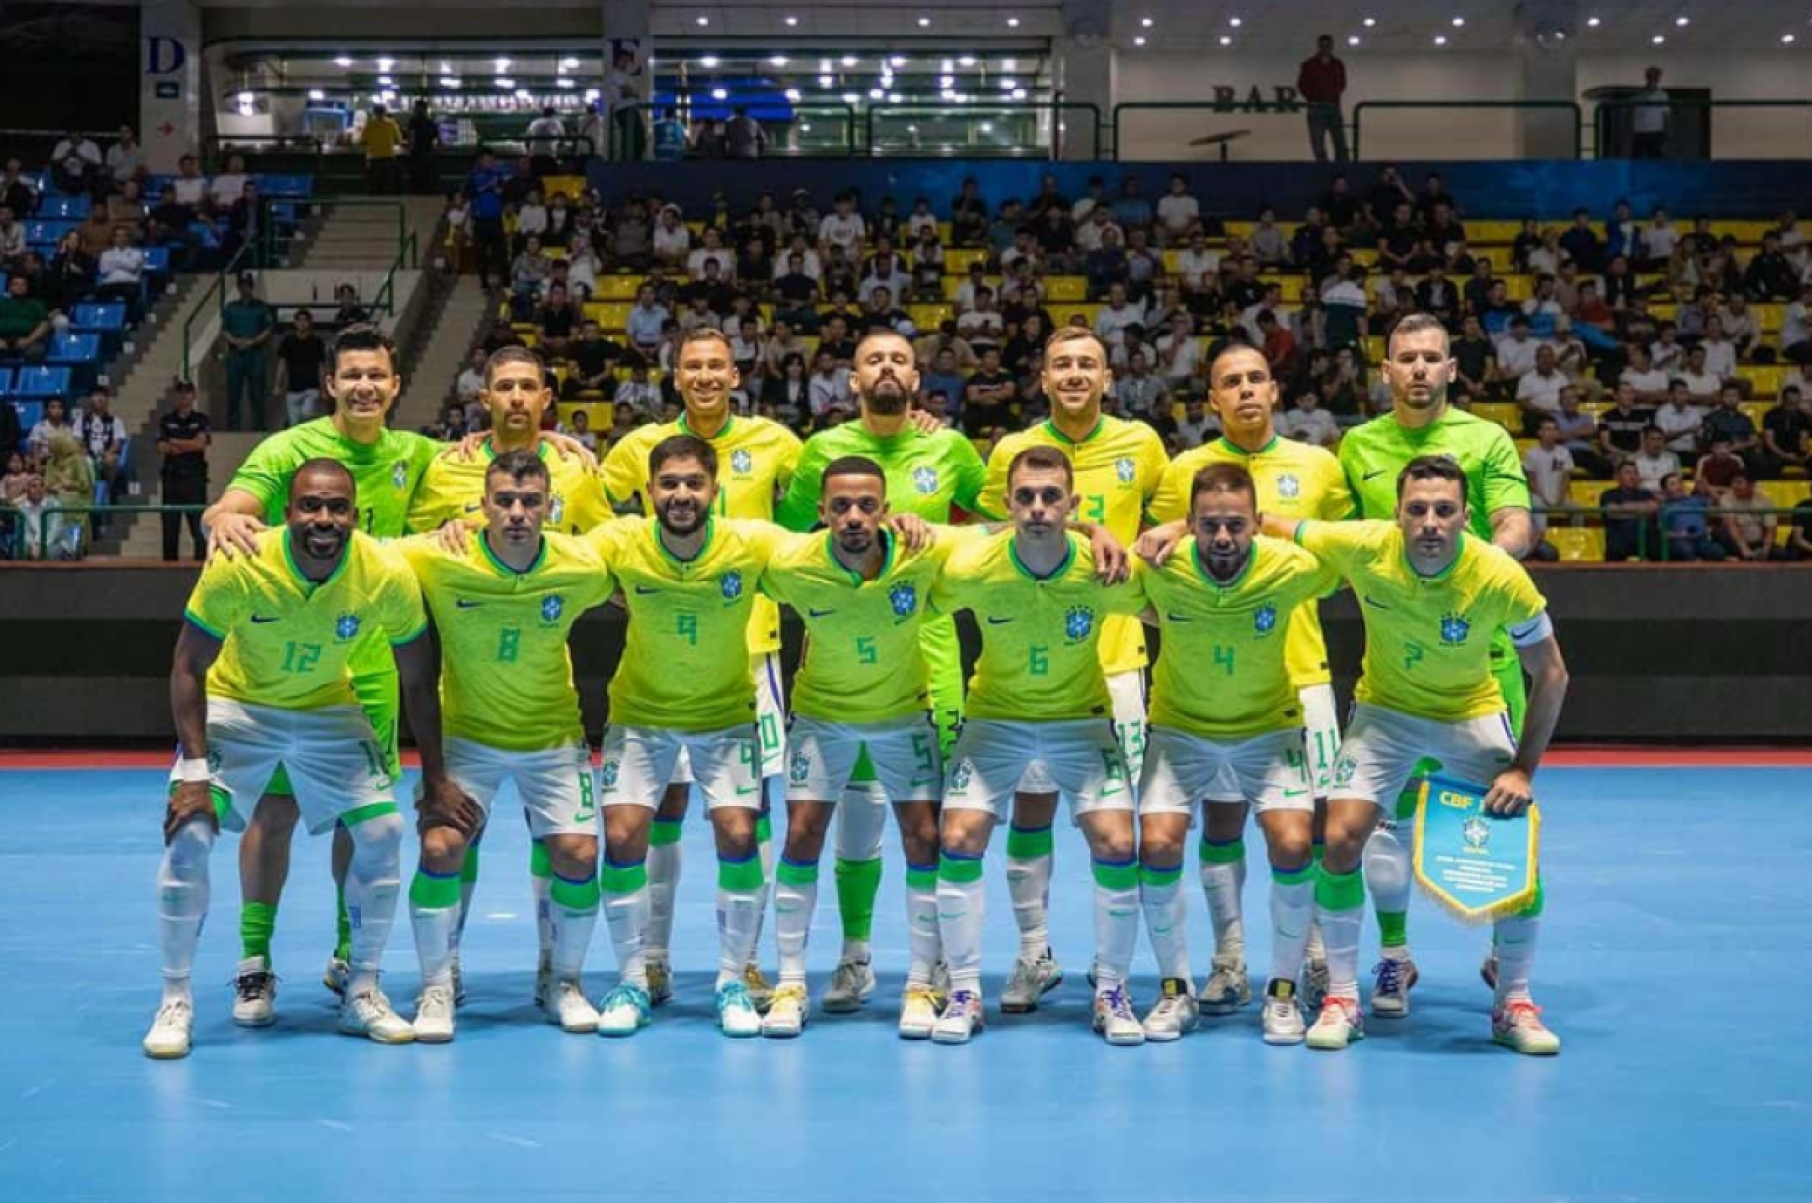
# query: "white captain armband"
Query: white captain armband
1533,632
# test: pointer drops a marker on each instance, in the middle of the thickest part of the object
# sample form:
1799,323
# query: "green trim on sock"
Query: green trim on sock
1029,845
858,883
361,814
468,872
342,947
921,879
575,895
1116,877
540,864
793,873
740,875
665,831
434,893
623,879
961,870
257,920
764,829
1393,929
1316,852
1151,876
1339,891
1221,854
1294,877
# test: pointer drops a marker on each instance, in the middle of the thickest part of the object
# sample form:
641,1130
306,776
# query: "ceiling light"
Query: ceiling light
384,64
1593,22
343,61
1145,22
792,22
876,94
792,94
569,64
704,20
449,81
709,61
501,82
1659,39
949,66
1235,22
245,98
1440,39
987,127
968,60
1459,22
719,94
1682,22
848,60
1009,64
850,98
898,60
1369,22
1787,39
591,94
947,94
1019,93
1139,41
924,22
386,81
1012,22
446,68
946,81
523,94
779,60
503,64
1226,40
1352,39
564,82
318,94
894,98
1008,82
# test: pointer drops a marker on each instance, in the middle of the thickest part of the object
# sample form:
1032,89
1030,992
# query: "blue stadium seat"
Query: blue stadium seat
72,207
30,414
47,230
6,382
90,317
74,348
157,260
289,186
41,381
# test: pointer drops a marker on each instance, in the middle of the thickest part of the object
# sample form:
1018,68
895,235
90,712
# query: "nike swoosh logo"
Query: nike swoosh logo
1376,605
1375,475
643,590
818,613
995,622
261,618
473,509
746,789
463,604
1178,618
1294,793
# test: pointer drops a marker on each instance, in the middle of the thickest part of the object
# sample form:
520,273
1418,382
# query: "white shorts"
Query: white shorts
1081,758
1128,693
1266,770
770,719
639,762
1320,734
1382,748
823,754
333,758
554,784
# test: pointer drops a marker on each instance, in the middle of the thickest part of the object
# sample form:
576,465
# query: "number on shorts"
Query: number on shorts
770,732
374,760
509,644
921,754
301,657
1112,765
1038,661
749,752
687,628
1293,757
866,652
586,805
1322,742
1223,657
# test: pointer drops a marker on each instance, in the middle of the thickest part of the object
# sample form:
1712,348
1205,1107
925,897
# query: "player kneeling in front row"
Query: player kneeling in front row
862,593
1432,596
1038,697
260,680
503,607
1226,727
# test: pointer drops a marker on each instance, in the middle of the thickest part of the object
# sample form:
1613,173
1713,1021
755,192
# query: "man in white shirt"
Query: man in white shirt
1178,212
1307,422
125,158
1650,110
228,186
1179,352
884,271
75,163
1655,463
1092,234
469,385
1640,374
1199,424
1720,352
1538,392
1115,316
672,241
713,251
843,226
1680,420
1659,238
1516,351
830,388
810,264
1196,264
982,326
1702,384
1549,467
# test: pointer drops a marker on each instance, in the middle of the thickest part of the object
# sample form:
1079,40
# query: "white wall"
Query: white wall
1735,133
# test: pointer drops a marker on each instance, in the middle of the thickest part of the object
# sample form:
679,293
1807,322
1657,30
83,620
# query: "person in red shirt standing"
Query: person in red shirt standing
1321,81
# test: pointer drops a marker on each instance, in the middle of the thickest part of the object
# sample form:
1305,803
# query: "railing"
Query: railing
1046,132
217,148
1241,109
66,530
565,146
791,132
1707,106
1561,106
1653,535
216,292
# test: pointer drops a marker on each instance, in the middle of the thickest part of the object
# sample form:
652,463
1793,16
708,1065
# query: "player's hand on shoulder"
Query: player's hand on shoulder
570,448
1156,544
923,421
444,804
192,800
917,533
1510,794
453,537
467,449
232,533
1111,563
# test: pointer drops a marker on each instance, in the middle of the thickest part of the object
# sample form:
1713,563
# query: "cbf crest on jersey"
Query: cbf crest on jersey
556,509
925,480
1077,623
346,627
741,463
904,598
1123,468
552,606
731,585
1289,487
1265,620
399,474
1454,629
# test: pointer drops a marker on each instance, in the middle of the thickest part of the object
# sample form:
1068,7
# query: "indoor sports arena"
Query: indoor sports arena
596,591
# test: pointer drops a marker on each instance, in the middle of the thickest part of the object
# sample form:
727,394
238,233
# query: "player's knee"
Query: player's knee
443,849
626,831
1161,847
186,856
377,837
572,856
1289,850
963,837
918,838
1113,846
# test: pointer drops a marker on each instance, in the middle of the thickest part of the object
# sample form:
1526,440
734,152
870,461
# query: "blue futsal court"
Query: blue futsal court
1674,961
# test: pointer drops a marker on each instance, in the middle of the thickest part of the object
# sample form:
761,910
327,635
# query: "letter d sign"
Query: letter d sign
164,56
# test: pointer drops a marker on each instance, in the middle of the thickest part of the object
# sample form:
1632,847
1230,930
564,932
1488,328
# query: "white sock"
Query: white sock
925,944
1223,883
626,914
1340,910
739,893
541,888
1292,915
663,883
182,904
795,898
1116,921
373,880
1513,940
961,904
764,849
1389,855
435,923
575,915
1029,858
1166,919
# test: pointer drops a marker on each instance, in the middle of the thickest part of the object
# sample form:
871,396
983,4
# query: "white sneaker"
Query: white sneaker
786,1014
434,1011
369,1014
544,980
1283,1014
569,1008
918,1013
761,991
736,1013
1174,1014
1518,1026
336,975
660,980
168,1038
962,1018
1393,977
850,986
255,994
1227,988
1114,1017
1339,1024
1031,981
624,1011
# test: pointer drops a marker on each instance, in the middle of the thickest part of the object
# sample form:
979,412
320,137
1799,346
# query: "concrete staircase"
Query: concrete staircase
429,382
363,237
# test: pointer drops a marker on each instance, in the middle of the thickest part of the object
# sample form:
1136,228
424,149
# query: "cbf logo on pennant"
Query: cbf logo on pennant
1478,865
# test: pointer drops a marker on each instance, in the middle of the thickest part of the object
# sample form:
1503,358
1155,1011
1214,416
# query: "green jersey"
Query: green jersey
386,472
926,473
1373,454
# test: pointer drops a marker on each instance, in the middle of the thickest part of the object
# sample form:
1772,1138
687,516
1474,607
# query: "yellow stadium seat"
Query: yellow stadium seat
1578,544
1586,493
1756,411
1292,286
1501,412
1787,493
610,315
930,317
1243,229
1065,288
1374,348
1171,258
1492,233
1523,446
563,185
617,288
1770,315
1747,233
944,234
1519,287
1664,311
598,414
1062,314
952,283
1365,257
956,263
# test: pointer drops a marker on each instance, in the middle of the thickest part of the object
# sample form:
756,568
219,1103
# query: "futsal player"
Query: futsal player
1118,466
1419,367
260,678
1227,728
1038,697
757,458
930,473
503,610
1433,597
860,694
1293,480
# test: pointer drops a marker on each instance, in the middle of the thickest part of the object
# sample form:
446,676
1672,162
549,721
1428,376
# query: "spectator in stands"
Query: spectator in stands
1549,467
247,325
1582,244
76,166
301,356
1197,268
637,395
1649,382
1343,308
1178,213
708,139
69,477
1629,510
543,139
580,431
968,215
40,521
54,422
1308,422
381,139
743,136
469,384
1720,352
672,241
126,205
990,398
555,321
1321,81
103,437
528,272
1786,436
1685,523
1475,356
16,192
169,225
12,491
1056,238
594,360
24,323
96,231
832,399
1137,389
1770,275
228,186
788,391
423,137
1681,420
1538,391
1650,115
122,272
12,432
1579,435
843,226
1728,423
12,239
670,142
1717,469
1620,427
1654,463
72,273
183,436
1748,526
1796,328
485,185
1702,384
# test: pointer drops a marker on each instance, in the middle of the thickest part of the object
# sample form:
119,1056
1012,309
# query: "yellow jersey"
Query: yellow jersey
756,458
1223,670
1427,639
1040,658
506,678
1294,481
287,639
685,664
1118,469
862,662
454,489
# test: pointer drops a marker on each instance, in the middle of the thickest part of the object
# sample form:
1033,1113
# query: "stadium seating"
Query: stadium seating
41,381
